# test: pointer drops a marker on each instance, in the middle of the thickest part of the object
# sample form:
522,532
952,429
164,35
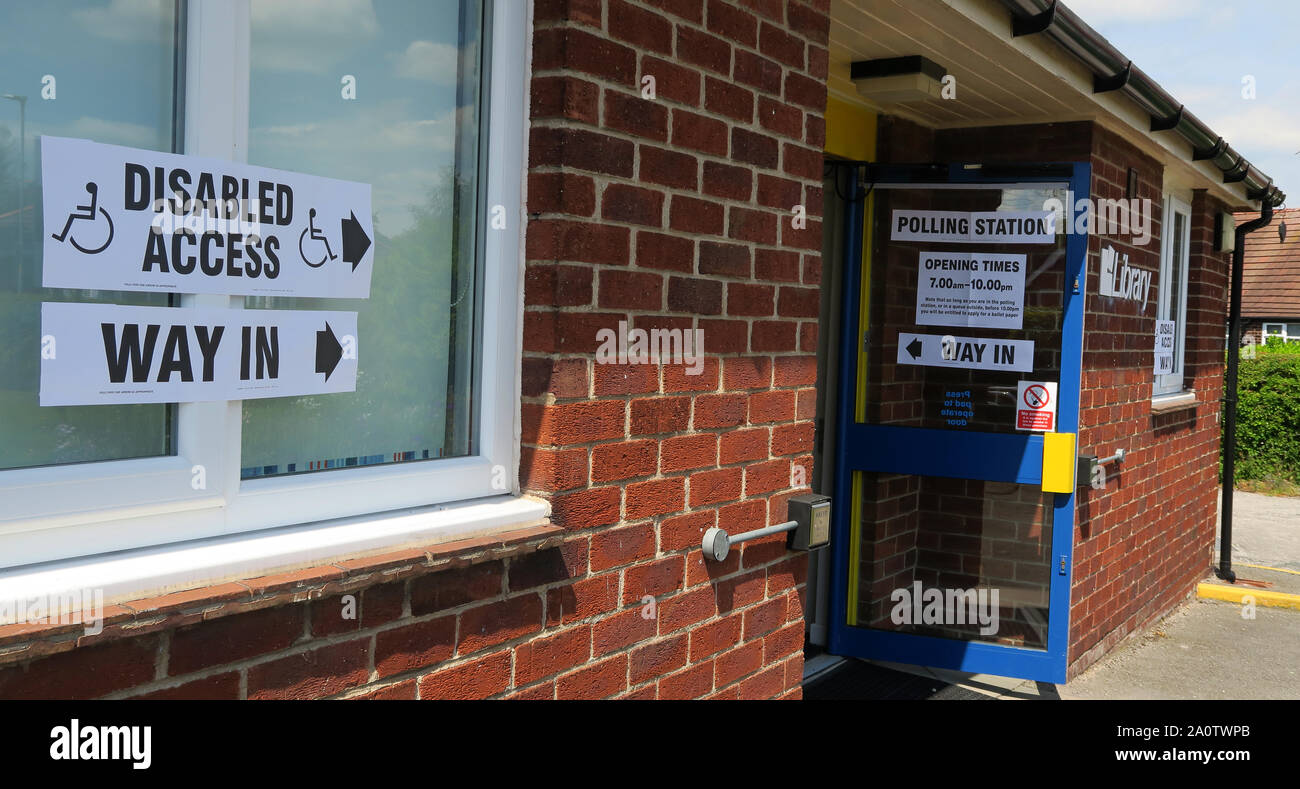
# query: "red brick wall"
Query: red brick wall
675,212
671,212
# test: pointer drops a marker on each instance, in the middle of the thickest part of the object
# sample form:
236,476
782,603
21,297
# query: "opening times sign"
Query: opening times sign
120,218
102,354
971,289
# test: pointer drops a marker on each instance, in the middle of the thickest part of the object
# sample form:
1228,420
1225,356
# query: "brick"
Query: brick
690,10
475,679
779,193
764,618
755,300
597,681
699,375
699,133
772,9
724,98
232,638
818,66
690,215
780,118
801,162
795,371
582,600
586,12
772,336
544,657
693,683
712,487
661,251
572,423
581,242
696,296
685,453
757,72
624,203
766,684
704,50
312,675
741,591
580,149
753,225
792,439
719,411
561,286
736,663
415,646
657,659
754,148
560,377
745,372
744,515
624,460
731,260
660,415
495,623
586,509
786,641
655,497
685,531
780,45
727,181
561,193
641,28
599,56
618,547
630,290
621,631
653,579
668,168
451,588
85,673
565,97
772,406
552,470
740,446
767,477
725,336
776,265
673,81
635,115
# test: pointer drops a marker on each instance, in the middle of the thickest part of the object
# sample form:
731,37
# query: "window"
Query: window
1174,256
1289,332
393,93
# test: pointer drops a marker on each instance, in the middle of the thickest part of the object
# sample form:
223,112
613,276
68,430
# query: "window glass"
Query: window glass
385,93
1178,286
103,71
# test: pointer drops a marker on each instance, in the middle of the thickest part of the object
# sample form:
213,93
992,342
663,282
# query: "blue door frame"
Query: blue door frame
1001,457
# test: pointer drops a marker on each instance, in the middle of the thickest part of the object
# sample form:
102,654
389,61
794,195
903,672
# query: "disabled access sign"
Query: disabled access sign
119,218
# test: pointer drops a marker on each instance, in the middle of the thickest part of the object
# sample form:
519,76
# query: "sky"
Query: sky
1202,51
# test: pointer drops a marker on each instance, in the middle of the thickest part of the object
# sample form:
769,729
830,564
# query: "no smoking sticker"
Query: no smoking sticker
1036,406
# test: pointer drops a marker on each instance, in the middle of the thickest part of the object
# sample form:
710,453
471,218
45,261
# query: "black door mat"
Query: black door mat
856,680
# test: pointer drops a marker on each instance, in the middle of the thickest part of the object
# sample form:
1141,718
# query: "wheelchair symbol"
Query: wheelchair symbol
316,235
87,212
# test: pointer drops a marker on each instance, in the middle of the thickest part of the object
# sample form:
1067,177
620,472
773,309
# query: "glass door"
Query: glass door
959,392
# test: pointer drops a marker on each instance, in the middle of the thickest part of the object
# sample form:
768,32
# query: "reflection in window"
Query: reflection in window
100,71
384,93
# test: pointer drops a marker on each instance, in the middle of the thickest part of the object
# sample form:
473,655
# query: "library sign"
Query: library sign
123,219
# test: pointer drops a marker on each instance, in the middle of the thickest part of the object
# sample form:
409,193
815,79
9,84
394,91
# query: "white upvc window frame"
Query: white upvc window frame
1172,383
60,512
1282,331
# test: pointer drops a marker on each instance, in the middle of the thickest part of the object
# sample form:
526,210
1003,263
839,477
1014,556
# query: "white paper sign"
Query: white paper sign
94,354
972,353
1036,406
120,218
977,227
1164,347
978,289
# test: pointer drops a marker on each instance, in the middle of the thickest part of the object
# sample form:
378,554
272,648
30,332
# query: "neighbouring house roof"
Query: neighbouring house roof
1271,284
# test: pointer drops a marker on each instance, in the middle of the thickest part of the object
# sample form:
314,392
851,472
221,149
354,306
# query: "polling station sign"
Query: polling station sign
974,227
99,354
119,218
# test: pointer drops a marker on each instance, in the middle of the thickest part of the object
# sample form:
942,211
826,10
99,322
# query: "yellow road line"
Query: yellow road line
1266,567
1237,594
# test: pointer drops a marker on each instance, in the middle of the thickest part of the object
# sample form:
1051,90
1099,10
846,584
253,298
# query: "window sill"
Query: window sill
172,585
1161,404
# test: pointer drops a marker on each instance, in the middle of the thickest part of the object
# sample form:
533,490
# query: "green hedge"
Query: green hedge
1268,413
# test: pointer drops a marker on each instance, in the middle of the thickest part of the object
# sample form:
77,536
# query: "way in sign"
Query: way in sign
105,353
973,353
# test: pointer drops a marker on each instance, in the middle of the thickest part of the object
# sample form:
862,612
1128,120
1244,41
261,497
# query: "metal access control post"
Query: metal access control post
810,520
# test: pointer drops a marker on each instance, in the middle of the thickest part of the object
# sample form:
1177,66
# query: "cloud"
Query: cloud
310,36
87,127
428,62
126,20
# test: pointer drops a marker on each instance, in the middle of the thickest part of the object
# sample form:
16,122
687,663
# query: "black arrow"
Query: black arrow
914,347
355,241
328,351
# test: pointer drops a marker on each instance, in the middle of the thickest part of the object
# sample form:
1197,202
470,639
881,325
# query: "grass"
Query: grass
1270,486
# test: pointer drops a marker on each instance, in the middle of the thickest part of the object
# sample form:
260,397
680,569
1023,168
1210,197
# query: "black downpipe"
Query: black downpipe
1230,391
